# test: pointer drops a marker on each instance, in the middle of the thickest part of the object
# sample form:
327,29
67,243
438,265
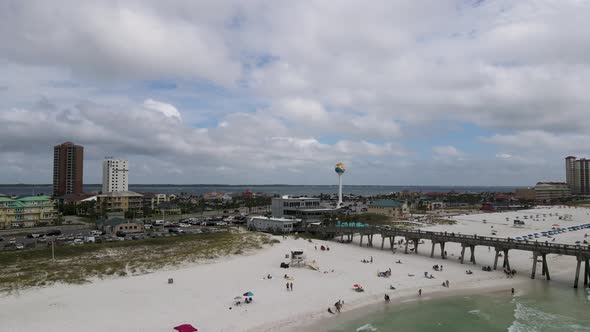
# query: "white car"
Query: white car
78,241
184,225
20,246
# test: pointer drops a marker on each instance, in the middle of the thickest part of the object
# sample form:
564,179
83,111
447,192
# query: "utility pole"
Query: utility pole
52,249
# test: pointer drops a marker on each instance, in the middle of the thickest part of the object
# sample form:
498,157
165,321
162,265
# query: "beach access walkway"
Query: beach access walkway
502,245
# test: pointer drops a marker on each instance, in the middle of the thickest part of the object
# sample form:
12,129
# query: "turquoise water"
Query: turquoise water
541,308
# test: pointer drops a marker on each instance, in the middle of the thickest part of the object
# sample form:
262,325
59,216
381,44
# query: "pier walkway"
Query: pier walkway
502,246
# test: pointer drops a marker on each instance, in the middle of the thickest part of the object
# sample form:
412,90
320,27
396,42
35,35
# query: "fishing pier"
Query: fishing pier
502,246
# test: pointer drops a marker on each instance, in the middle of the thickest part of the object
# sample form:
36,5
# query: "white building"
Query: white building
306,208
114,175
272,225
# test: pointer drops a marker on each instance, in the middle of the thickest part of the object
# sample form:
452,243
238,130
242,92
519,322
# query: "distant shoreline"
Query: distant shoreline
27,185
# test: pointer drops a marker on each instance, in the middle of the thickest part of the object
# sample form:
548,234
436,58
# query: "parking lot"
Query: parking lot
154,229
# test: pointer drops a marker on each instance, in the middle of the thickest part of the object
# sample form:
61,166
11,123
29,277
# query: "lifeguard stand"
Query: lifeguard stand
297,257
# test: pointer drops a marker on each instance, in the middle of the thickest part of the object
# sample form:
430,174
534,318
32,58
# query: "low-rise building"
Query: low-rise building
151,200
435,205
167,209
27,211
551,191
115,223
390,208
525,194
120,201
308,209
272,224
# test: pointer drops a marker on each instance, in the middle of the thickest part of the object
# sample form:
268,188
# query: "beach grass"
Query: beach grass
80,264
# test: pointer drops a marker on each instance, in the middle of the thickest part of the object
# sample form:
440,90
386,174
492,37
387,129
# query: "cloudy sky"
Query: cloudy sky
428,92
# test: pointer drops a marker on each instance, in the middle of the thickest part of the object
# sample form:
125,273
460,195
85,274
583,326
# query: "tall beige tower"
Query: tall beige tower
570,165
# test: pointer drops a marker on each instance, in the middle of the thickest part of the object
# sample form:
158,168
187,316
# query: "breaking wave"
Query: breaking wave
366,327
529,319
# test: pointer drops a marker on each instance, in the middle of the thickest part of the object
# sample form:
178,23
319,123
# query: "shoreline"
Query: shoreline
323,321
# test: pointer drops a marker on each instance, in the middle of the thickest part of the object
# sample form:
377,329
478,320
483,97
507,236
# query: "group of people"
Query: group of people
367,260
289,286
509,273
338,305
445,284
429,276
385,274
468,272
322,248
437,267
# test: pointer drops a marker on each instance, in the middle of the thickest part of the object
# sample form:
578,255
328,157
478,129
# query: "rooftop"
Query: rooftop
386,203
34,198
276,219
120,194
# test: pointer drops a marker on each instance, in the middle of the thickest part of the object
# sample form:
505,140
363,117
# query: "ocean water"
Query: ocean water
267,189
539,309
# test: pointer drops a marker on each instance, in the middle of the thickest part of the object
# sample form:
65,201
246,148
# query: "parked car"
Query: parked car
20,246
53,232
12,241
78,241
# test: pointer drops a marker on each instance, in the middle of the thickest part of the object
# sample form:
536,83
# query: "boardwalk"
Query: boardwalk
502,246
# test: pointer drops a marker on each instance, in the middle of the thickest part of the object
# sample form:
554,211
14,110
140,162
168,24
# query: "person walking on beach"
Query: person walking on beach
371,259
386,297
287,286
291,286
420,292
513,291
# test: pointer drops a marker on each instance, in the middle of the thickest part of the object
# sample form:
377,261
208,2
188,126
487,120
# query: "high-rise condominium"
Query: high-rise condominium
577,174
114,175
68,167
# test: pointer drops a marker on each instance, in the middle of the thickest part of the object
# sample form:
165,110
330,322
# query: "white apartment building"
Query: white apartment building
114,175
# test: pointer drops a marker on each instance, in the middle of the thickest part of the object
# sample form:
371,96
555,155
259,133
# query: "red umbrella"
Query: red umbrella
555,225
356,286
185,328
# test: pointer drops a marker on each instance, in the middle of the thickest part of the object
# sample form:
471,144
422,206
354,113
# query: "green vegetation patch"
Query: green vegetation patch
79,264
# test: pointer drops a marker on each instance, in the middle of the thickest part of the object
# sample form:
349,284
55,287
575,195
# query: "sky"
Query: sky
429,92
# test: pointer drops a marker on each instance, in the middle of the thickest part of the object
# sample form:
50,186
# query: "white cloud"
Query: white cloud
314,83
164,108
447,151
503,155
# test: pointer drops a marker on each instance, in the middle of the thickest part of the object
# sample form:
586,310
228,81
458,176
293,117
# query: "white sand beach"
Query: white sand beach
203,294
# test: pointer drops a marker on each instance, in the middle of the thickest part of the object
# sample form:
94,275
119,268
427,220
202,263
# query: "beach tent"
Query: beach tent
185,328
249,294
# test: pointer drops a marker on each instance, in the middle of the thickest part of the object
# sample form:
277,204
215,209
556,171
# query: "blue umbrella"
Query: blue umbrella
249,294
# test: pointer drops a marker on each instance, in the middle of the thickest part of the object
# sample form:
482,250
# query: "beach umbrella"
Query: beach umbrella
555,225
185,328
356,286
248,294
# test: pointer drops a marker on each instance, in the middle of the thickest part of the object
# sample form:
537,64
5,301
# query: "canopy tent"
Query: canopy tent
185,328
249,294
